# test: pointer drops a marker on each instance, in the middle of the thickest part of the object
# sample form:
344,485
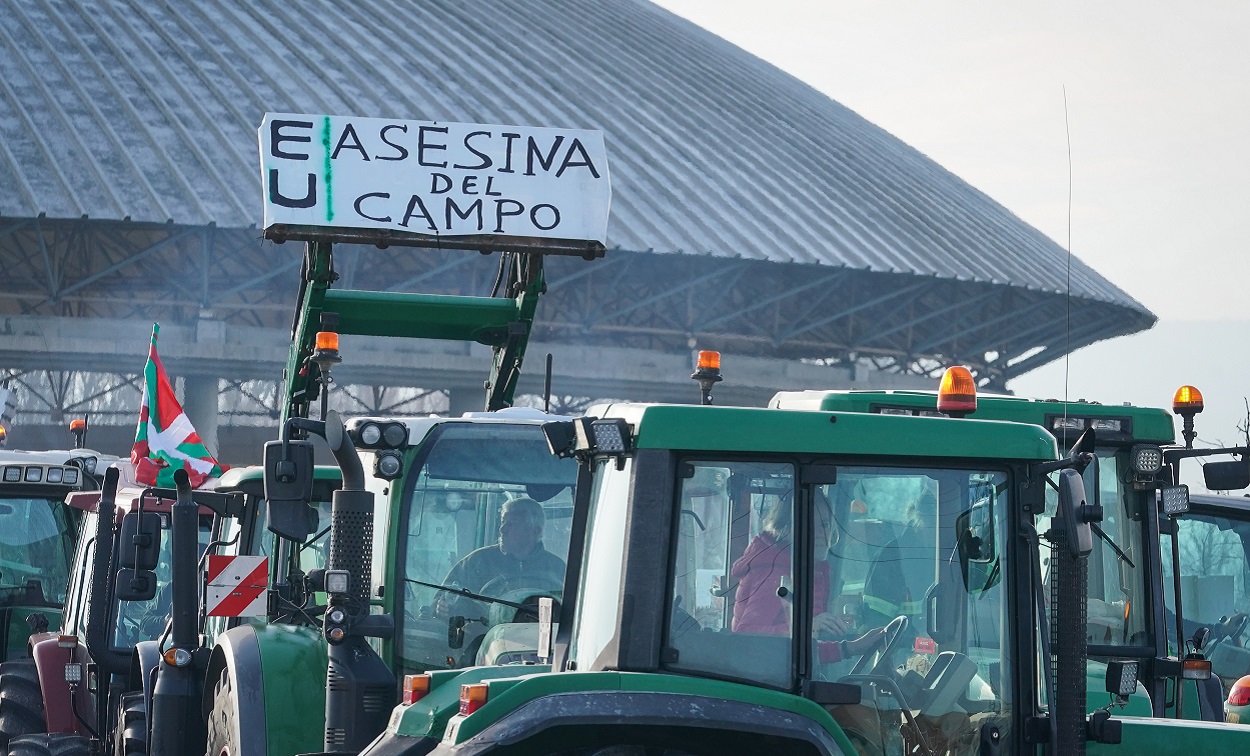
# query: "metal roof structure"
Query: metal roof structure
750,212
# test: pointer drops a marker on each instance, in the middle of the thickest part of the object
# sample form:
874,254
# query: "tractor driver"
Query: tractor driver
518,556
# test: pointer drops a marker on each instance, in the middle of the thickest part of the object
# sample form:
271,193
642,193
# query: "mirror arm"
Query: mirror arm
1078,463
1171,455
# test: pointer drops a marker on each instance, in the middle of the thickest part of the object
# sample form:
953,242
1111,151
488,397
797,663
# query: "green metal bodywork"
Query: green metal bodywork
730,429
293,672
1171,737
1150,424
429,716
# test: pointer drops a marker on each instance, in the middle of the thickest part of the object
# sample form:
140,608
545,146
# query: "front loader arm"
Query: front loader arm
502,321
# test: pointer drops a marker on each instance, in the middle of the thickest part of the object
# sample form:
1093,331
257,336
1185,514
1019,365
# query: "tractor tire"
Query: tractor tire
56,744
21,702
222,727
131,737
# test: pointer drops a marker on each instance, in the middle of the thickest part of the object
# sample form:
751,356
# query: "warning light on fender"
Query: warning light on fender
472,697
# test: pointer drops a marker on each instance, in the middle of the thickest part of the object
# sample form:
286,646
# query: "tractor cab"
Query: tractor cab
1135,457
756,580
37,537
482,532
1214,545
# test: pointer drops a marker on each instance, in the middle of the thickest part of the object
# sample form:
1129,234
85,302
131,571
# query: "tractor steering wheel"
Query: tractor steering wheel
894,631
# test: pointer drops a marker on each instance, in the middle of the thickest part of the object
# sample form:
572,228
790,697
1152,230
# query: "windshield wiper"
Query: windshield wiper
470,594
1107,538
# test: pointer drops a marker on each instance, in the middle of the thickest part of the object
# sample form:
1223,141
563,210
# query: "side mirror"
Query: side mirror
1074,513
976,546
140,544
288,489
455,632
1233,475
135,585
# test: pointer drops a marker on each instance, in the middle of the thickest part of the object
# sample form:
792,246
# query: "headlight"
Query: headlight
370,434
396,435
388,465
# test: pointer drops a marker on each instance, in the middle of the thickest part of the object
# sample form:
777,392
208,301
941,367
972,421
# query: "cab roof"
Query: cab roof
1146,424
745,429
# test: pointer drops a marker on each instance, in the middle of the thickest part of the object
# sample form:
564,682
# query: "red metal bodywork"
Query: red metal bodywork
50,660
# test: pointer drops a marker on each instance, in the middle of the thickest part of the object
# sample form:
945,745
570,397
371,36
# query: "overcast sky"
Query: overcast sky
1158,108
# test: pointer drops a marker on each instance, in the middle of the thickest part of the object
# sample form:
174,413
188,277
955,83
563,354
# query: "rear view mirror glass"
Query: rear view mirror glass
140,543
135,585
1233,475
288,489
978,552
1073,514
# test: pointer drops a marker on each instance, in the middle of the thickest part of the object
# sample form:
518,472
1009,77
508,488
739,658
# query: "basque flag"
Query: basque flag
165,439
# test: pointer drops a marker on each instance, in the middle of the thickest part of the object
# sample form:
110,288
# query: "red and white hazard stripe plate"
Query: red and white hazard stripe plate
236,586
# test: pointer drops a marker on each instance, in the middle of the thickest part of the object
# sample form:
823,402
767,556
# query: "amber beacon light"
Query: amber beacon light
707,373
1187,402
957,394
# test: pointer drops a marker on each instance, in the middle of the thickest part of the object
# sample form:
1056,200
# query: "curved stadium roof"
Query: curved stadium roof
802,230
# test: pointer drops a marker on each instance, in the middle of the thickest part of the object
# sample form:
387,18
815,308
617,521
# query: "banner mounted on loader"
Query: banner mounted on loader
428,183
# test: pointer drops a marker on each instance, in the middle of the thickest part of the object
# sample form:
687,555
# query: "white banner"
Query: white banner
434,178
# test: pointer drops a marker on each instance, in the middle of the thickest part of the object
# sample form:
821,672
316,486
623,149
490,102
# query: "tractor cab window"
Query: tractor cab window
917,609
889,579
36,547
135,621
1118,575
484,535
1215,570
733,576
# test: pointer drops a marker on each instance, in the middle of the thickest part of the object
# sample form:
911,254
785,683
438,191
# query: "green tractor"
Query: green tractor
1213,541
429,507
729,572
1131,611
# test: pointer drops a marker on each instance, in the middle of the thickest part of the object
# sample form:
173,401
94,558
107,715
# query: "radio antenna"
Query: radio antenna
1067,315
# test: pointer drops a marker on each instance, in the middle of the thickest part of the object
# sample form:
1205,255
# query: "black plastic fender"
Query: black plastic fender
143,660
637,714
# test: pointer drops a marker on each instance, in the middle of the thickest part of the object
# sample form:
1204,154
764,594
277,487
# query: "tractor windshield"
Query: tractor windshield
1215,594
487,516
36,547
135,621
1119,577
889,579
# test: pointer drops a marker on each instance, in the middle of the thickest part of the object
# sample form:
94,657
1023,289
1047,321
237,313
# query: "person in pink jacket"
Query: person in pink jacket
762,577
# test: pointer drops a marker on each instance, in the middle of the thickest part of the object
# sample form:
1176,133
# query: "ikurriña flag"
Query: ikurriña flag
165,440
